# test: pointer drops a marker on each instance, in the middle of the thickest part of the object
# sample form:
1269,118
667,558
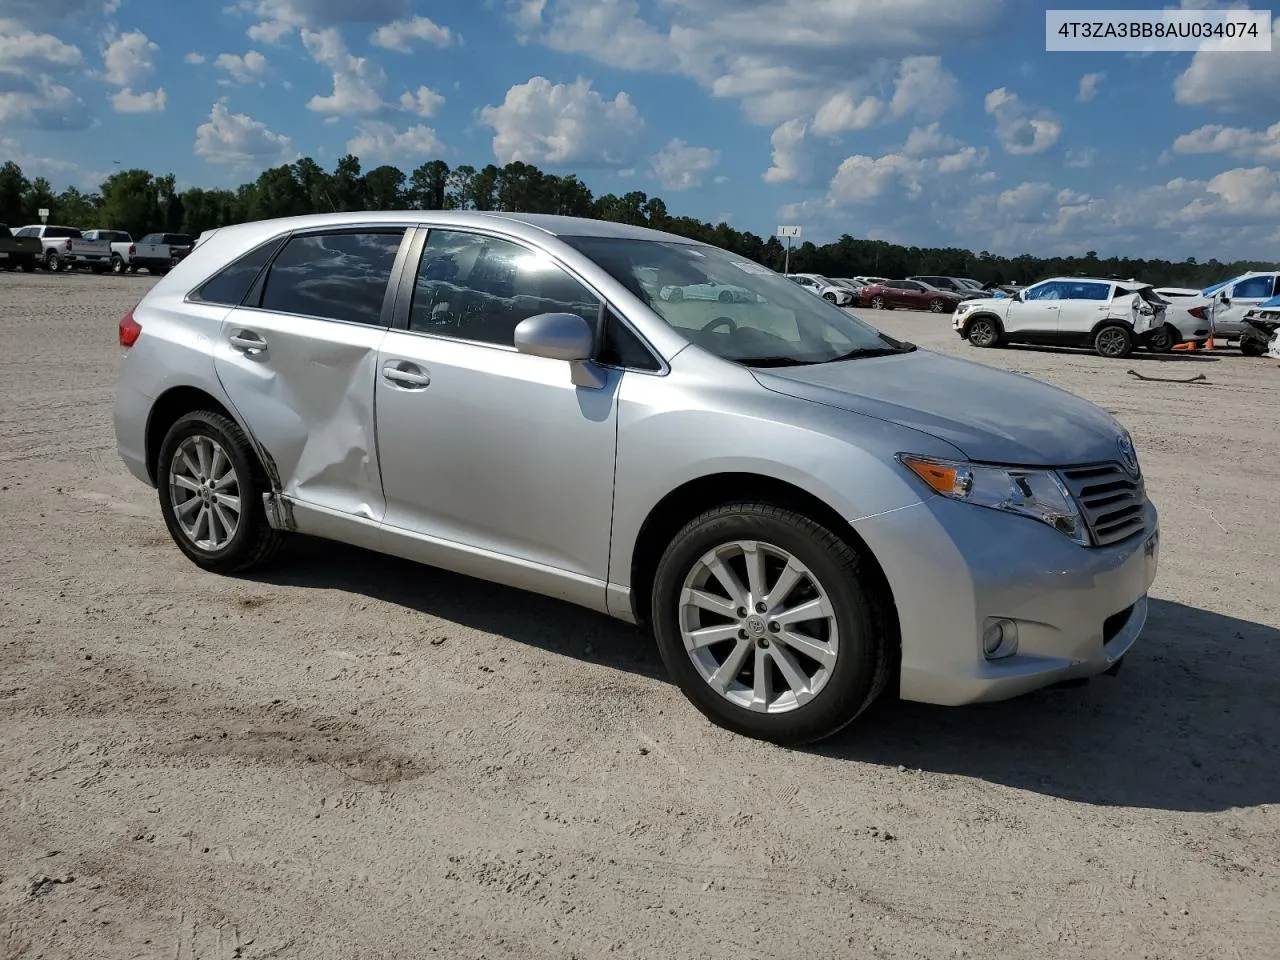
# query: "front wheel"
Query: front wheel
983,332
1115,342
769,625
1162,339
211,486
829,297
1252,346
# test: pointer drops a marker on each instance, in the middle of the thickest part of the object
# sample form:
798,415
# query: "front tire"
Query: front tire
829,297
768,624
211,485
1252,346
983,332
1114,341
1162,340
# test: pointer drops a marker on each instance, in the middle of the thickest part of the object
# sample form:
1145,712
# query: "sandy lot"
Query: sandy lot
351,756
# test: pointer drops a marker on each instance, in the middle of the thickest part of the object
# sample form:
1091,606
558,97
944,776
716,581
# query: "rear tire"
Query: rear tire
117,263
808,678
936,305
219,523
52,262
1162,340
1114,341
877,303
829,297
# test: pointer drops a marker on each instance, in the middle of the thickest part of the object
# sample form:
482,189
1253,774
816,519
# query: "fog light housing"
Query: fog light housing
999,639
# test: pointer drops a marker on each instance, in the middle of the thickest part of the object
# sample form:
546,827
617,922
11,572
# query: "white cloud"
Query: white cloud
126,101
1020,129
130,59
250,68
424,102
1259,145
791,160
40,103
1230,81
846,111
238,139
679,166
24,50
54,170
542,122
357,81
194,58
279,18
923,89
1080,158
382,141
780,59
923,141
400,35
861,178
1089,86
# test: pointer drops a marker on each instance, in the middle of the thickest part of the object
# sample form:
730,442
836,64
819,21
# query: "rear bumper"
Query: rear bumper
131,412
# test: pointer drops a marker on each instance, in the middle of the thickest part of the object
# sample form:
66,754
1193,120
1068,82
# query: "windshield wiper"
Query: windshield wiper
775,362
861,352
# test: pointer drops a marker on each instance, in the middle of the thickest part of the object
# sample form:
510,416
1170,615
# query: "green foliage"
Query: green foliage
141,202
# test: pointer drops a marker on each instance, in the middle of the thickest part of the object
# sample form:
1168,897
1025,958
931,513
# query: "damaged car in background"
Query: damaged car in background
799,508
1110,316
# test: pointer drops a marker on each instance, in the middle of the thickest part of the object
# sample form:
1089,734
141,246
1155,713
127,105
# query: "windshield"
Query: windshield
766,320
1210,291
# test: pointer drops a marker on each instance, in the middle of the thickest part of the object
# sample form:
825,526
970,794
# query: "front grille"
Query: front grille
1112,500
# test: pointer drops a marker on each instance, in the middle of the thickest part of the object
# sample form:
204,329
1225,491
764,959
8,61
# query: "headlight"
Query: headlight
963,307
1038,494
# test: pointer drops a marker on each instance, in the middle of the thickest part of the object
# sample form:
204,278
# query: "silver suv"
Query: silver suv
803,510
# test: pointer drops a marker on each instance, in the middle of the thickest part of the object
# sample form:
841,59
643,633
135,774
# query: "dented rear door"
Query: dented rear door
298,362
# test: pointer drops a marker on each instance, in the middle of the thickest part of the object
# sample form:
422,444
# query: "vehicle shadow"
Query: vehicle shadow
1142,356
1192,722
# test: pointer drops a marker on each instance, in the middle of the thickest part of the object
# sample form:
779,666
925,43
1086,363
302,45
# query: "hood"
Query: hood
990,415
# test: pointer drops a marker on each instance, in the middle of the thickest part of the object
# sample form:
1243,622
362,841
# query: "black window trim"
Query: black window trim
408,279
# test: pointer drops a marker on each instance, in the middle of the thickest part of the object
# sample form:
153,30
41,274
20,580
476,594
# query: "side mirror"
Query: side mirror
1017,295
561,336
1225,300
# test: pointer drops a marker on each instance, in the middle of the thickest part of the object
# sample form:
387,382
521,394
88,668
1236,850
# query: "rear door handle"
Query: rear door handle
248,341
405,374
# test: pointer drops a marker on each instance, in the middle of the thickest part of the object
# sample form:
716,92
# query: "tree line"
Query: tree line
141,202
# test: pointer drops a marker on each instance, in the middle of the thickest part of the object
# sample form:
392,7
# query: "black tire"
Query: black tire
1162,340
118,264
937,305
829,297
52,262
878,303
1252,347
726,296
254,541
983,332
1113,341
863,662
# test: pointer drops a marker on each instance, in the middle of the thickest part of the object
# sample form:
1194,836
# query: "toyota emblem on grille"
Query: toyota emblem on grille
1128,456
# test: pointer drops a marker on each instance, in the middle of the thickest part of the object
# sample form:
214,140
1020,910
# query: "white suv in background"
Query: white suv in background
828,290
1110,316
1225,304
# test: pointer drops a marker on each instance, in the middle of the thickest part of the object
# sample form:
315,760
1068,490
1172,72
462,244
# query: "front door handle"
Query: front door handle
405,374
248,341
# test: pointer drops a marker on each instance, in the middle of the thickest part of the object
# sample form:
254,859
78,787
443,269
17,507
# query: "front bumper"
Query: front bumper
953,567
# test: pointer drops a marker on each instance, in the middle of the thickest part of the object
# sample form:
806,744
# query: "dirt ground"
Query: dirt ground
351,756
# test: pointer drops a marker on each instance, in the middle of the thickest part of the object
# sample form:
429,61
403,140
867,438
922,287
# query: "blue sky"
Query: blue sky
927,122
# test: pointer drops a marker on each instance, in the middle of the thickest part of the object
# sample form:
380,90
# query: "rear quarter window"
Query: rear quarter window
231,285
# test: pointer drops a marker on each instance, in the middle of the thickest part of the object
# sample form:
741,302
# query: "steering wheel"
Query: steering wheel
721,322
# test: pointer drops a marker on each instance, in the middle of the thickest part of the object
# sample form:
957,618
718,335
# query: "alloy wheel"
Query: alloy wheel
877,303
982,333
205,492
758,626
1112,342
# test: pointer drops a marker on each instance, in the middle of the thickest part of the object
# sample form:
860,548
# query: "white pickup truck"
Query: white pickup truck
66,247
129,255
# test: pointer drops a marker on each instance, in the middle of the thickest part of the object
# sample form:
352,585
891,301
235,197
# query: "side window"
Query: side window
474,287
334,276
1252,288
1084,291
27,232
1043,291
232,283
622,348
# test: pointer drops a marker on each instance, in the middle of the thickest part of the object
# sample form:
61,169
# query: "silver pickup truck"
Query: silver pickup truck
66,247
129,255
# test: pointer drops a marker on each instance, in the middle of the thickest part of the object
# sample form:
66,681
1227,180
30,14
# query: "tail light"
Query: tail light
130,329
1198,313
67,243
133,249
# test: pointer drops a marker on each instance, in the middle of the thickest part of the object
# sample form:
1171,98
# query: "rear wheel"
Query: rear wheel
937,305
1162,339
1113,341
117,263
52,262
829,297
983,332
211,486
767,622
877,303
